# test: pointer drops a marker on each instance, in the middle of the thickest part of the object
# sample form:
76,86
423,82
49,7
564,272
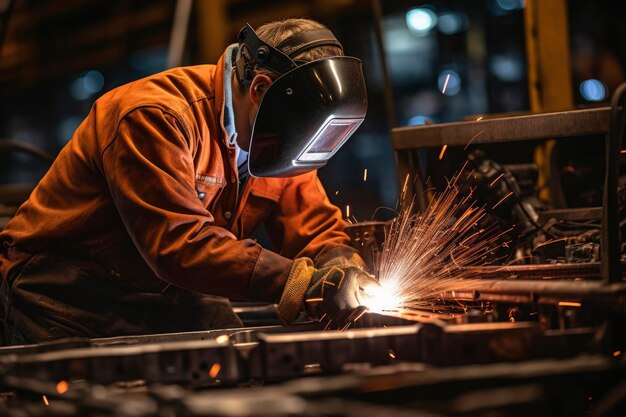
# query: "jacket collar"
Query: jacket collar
224,98
220,101
228,117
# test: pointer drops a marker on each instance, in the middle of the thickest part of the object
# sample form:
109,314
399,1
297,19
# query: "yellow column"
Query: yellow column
549,73
213,29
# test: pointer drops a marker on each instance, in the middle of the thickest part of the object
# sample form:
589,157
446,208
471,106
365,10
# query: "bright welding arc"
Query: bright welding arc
425,255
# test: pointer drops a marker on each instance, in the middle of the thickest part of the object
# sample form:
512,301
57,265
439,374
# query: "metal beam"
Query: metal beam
574,123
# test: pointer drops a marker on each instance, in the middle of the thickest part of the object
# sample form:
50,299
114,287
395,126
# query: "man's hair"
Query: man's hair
275,32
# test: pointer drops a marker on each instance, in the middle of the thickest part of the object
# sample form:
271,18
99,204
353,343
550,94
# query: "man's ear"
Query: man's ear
258,87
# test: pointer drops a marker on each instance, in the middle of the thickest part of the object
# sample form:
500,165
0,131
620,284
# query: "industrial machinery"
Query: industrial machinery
528,338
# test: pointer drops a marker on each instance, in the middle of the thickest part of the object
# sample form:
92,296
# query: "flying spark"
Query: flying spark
474,137
445,86
502,200
425,255
45,400
443,150
496,180
365,175
348,211
404,187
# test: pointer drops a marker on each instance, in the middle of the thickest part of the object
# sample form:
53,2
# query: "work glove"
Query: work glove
336,290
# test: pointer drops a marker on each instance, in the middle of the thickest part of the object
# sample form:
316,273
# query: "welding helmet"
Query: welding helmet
309,111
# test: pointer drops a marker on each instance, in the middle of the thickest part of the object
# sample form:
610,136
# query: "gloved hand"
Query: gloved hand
336,290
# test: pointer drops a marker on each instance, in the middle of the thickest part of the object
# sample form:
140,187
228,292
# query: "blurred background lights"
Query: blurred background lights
449,83
66,128
419,120
149,60
450,23
510,5
503,7
508,68
84,87
593,90
421,20
93,81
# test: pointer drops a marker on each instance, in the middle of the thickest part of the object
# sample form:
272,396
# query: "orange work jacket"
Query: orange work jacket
147,189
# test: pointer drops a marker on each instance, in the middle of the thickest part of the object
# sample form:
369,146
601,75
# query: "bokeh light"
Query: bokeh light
593,90
421,20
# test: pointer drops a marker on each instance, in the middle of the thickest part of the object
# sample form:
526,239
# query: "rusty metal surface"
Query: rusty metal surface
574,123
540,388
274,356
611,297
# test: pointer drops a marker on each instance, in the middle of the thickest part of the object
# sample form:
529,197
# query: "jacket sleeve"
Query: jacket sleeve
150,172
305,223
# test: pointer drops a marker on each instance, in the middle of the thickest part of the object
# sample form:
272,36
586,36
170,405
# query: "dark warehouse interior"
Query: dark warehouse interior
346,208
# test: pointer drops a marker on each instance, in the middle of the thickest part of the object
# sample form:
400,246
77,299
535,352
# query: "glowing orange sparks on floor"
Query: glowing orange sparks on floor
62,387
569,304
215,370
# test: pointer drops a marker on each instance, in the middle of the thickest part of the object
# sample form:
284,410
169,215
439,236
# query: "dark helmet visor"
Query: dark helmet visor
306,115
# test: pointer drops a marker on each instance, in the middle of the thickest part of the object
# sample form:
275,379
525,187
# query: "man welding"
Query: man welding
142,222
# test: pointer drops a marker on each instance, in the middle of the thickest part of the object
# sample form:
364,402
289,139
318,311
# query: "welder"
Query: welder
142,223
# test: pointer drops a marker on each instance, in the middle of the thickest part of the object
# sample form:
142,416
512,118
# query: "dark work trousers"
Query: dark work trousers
52,297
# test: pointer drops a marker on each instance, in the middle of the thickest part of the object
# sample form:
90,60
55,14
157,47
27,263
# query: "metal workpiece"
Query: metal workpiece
388,367
286,355
545,387
565,124
165,362
488,343
268,356
611,297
